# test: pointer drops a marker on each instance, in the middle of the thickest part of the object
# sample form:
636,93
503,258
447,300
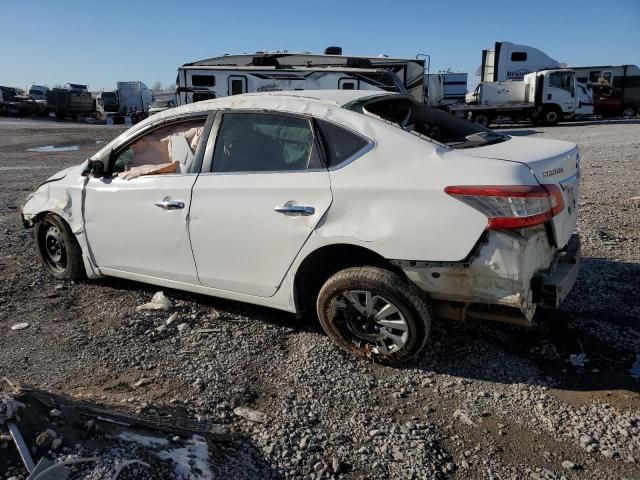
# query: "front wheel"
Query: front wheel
59,250
375,314
552,116
482,119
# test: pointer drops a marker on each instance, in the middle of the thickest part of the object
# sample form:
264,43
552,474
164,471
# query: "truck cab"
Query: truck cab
555,94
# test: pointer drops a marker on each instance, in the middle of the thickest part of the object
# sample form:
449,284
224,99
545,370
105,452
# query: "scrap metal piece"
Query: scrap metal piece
43,465
23,450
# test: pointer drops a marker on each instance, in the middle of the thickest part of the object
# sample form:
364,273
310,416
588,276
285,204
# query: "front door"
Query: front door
263,196
237,84
138,224
561,90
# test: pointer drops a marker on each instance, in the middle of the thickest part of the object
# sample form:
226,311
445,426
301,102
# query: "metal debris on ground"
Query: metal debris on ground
33,419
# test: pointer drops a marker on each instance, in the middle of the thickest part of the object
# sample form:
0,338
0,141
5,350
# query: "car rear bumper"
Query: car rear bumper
515,269
550,288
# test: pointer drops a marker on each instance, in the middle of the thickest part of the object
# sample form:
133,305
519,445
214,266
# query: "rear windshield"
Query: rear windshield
417,118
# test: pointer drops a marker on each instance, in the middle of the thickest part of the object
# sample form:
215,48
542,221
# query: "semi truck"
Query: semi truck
546,96
275,71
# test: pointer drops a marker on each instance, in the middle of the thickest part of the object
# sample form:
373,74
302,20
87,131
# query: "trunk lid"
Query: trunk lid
552,162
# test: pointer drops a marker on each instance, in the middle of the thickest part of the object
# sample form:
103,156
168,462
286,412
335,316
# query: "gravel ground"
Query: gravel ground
484,401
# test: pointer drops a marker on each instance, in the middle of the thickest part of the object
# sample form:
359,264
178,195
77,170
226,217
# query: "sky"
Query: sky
99,43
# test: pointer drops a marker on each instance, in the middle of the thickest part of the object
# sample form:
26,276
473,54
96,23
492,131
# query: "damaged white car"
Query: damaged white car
373,210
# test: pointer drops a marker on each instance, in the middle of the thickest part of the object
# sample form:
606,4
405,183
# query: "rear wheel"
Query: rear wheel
375,314
59,250
629,112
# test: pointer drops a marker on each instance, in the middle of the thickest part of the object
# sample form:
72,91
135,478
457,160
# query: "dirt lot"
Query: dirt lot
484,401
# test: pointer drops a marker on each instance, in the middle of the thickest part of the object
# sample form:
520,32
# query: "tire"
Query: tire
482,119
59,250
361,334
551,116
628,112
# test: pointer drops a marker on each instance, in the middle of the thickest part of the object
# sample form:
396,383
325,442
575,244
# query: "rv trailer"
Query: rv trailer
263,72
616,89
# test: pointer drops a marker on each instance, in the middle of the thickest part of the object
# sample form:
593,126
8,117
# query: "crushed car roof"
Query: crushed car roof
321,103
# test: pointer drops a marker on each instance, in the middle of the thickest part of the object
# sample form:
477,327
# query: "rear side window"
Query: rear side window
340,144
203,81
260,142
519,57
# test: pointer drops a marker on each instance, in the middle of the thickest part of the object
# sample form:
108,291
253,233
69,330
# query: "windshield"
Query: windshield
417,118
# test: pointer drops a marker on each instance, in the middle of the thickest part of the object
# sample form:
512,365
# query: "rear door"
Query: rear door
237,84
264,191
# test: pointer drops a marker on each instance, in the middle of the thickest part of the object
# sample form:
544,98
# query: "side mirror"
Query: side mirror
96,168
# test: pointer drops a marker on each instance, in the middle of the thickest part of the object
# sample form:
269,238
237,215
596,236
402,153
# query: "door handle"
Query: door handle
169,204
295,209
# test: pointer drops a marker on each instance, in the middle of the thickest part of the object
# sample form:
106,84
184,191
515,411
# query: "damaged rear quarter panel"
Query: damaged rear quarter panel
392,200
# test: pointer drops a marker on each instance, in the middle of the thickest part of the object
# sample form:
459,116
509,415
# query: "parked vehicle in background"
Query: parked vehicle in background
444,89
134,98
13,101
38,92
548,96
373,210
160,105
509,61
265,72
616,89
110,101
71,101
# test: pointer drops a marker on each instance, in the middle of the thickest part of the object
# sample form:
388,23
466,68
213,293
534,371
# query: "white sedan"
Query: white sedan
370,209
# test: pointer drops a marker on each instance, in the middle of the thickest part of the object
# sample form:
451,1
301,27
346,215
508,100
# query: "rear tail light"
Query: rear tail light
511,206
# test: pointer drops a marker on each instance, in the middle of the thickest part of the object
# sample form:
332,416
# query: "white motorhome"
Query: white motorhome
547,96
509,61
264,72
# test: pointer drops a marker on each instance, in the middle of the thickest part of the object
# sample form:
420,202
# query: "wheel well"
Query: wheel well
321,264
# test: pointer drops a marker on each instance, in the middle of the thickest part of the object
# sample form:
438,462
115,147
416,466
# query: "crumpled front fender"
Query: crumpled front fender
63,195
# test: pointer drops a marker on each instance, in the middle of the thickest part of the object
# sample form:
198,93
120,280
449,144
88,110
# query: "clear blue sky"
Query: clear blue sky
102,42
